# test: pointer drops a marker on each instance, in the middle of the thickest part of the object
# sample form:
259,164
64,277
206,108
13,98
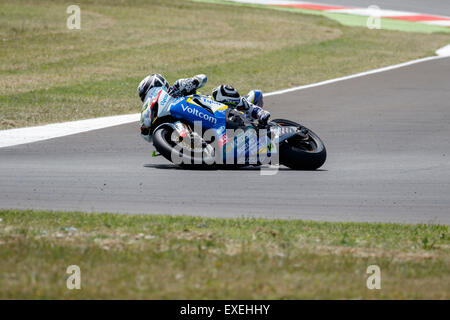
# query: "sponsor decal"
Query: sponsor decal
199,114
211,102
164,99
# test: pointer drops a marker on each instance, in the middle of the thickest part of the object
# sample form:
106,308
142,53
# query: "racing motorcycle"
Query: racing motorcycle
197,130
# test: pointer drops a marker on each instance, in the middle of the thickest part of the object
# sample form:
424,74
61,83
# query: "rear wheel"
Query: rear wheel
303,151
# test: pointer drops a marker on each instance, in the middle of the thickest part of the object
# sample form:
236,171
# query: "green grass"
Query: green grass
51,74
348,19
146,256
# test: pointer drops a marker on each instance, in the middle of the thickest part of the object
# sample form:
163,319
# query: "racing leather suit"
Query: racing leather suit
188,86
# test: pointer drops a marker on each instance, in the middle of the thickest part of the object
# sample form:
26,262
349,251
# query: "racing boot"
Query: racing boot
228,95
255,97
255,111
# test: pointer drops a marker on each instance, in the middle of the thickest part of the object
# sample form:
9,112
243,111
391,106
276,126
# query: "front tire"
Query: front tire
167,148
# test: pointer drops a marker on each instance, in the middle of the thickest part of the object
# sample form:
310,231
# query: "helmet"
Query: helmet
149,82
226,94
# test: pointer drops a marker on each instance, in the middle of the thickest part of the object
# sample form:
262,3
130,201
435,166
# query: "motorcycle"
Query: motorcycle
197,130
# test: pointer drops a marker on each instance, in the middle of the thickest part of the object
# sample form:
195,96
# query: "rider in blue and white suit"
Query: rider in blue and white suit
251,104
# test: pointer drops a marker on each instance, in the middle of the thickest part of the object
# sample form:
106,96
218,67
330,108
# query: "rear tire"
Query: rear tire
300,154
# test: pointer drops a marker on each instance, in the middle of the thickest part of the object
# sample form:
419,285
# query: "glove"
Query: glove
185,87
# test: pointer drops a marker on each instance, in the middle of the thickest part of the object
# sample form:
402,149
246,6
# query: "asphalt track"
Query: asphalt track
438,7
388,140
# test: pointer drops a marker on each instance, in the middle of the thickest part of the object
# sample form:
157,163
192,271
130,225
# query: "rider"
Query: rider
251,104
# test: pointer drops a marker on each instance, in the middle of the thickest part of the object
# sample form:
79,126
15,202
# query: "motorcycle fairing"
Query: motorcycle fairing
212,115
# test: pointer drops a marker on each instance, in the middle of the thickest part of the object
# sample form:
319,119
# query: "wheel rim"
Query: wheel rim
306,143
196,146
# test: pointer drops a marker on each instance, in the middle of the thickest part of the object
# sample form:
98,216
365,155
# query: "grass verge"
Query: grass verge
51,74
348,19
146,256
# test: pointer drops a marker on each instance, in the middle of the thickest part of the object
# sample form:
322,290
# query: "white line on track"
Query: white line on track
19,136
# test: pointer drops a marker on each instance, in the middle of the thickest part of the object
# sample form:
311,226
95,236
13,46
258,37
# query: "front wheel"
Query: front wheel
185,151
303,151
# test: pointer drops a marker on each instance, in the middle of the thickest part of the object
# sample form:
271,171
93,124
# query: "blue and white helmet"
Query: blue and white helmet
149,82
